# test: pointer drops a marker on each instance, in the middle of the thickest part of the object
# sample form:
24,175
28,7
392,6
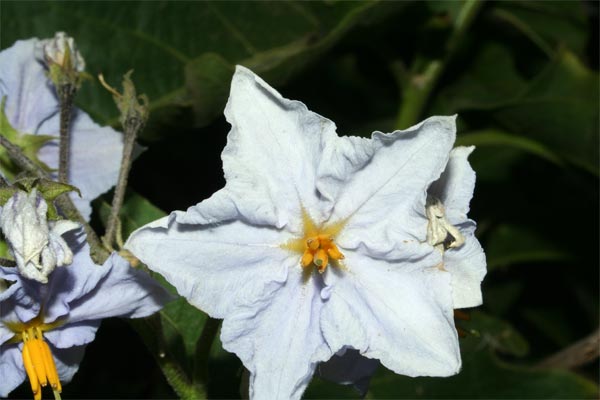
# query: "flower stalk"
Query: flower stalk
418,87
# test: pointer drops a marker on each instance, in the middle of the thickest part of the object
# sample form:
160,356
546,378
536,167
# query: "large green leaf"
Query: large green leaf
556,113
176,47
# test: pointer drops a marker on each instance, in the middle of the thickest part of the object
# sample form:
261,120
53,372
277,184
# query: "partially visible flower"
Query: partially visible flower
463,258
44,328
60,50
36,244
32,108
317,244
452,233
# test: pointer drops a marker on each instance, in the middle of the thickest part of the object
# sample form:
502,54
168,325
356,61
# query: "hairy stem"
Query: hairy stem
98,253
66,94
203,346
577,354
131,131
419,87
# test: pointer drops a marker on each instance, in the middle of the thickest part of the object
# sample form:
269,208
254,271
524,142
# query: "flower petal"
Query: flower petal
11,369
456,184
399,314
30,98
67,361
122,292
273,148
278,338
73,334
379,185
467,265
96,153
214,266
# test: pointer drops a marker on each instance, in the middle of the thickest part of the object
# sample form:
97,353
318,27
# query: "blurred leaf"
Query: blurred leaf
493,137
551,324
548,24
499,298
495,333
162,40
483,374
558,109
510,244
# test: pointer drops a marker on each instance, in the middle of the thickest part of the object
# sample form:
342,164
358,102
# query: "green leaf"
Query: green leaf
556,112
495,334
278,39
510,244
494,137
484,375
548,25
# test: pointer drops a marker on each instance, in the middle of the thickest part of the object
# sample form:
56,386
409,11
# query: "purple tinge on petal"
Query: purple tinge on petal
349,368
73,334
11,369
30,98
67,361
122,292
96,153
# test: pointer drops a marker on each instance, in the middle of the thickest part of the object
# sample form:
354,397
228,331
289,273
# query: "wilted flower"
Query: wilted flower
36,244
62,49
44,328
317,244
33,108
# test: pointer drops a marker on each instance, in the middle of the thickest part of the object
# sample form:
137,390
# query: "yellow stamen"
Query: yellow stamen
307,259
30,370
317,246
39,363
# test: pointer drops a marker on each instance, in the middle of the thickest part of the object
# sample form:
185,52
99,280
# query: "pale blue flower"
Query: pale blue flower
316,245
68,310
32,108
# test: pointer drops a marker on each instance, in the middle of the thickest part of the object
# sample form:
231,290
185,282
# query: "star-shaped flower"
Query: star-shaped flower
317,244
44,328
33,108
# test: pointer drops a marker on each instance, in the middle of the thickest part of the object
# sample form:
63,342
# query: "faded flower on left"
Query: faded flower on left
44,328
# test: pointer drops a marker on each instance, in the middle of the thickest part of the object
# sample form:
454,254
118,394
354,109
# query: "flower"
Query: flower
44,328
36,245
317,244
32,108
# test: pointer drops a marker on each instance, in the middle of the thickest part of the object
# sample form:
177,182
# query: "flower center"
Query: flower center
317,246
39,363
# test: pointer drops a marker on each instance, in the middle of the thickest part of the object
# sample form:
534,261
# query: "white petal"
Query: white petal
273,148
215,265
279,339
398,313
11,369
380,185
467,265
455,186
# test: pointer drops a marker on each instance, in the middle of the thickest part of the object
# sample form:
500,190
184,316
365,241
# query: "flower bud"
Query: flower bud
62,51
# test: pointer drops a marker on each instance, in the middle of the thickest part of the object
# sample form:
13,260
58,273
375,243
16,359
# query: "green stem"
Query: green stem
203,346
419,87
66,93
150,330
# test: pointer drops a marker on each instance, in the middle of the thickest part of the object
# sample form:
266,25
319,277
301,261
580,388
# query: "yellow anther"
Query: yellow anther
307,259
334,253
39,363
313,243
30,370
